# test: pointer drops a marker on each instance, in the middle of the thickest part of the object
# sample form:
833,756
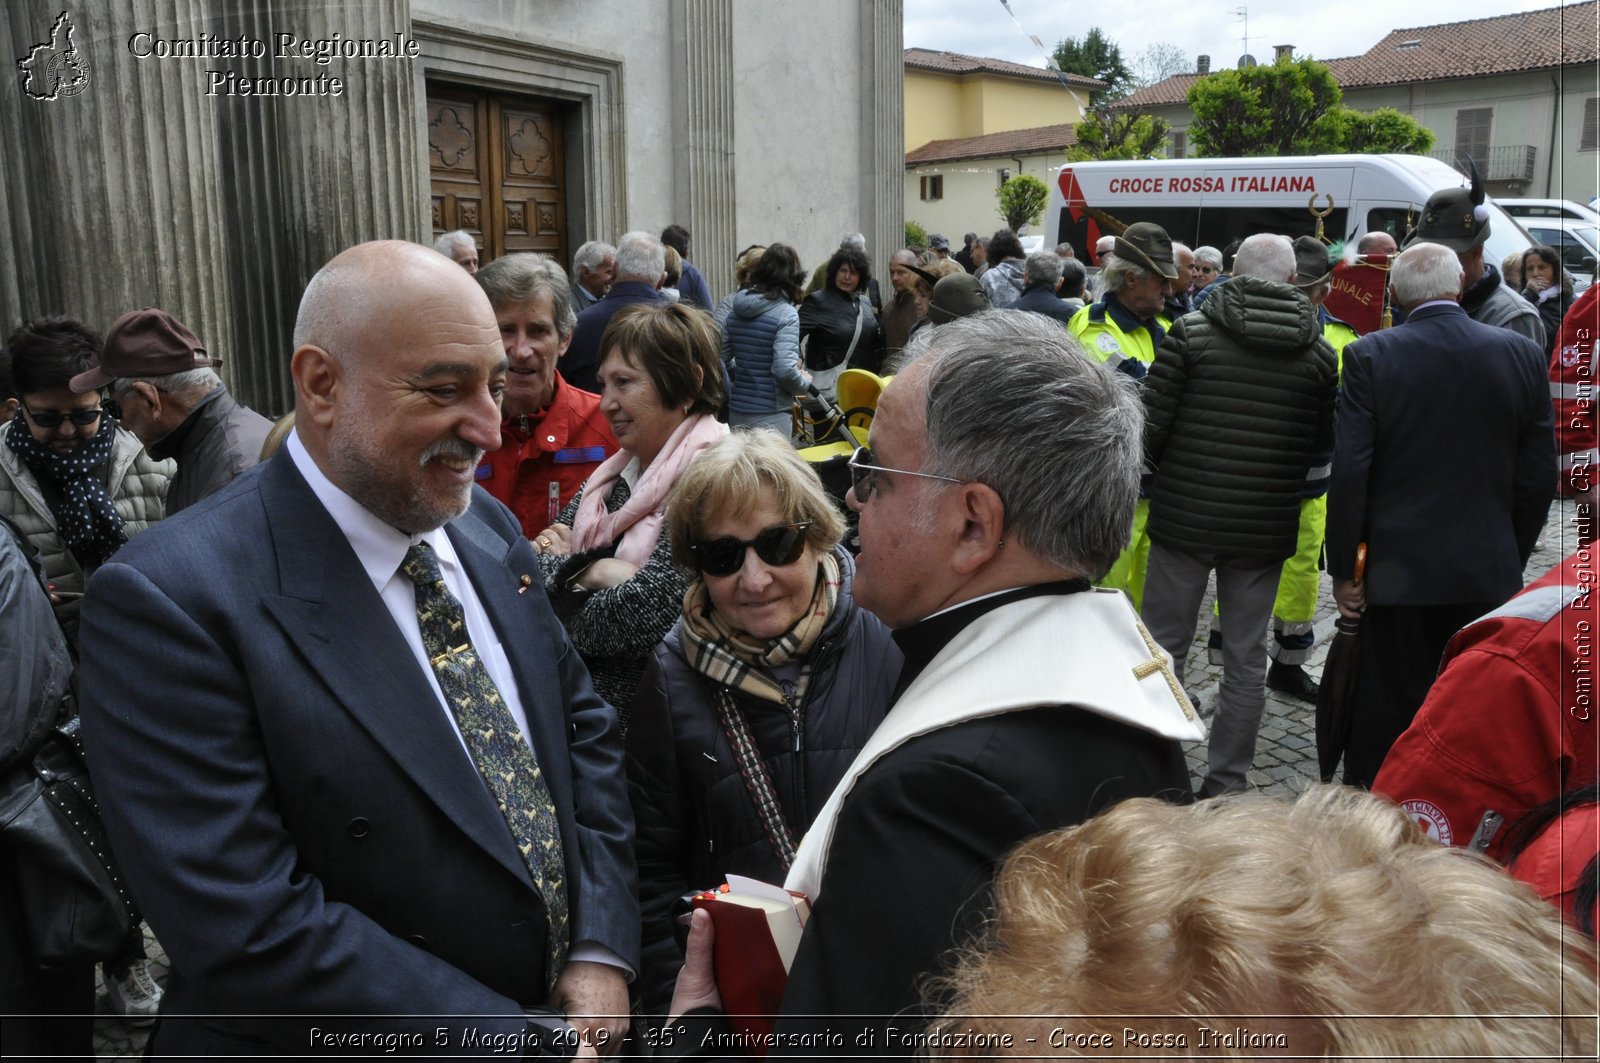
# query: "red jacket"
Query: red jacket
562,445
1510,722
1572,390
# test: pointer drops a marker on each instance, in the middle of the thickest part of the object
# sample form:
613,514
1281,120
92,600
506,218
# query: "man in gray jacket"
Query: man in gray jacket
1457,218
1238,407
172,399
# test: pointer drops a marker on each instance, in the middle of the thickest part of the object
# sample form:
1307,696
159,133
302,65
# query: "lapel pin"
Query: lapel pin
526,581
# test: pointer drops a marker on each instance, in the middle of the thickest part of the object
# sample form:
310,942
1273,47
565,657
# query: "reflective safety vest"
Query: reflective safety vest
1129,352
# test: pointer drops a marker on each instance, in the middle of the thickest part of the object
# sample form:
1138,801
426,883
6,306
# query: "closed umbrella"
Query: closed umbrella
1336,698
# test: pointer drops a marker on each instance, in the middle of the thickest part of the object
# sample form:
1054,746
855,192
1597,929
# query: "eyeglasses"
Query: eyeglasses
864,474
52,419
779,545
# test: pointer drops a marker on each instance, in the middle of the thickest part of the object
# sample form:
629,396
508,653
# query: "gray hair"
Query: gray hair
447,243
590,255
511,280
640,254
1042,267
1064,250
1117,273
1210,256
1265,256
1058,436
1425,271
854,240
184,383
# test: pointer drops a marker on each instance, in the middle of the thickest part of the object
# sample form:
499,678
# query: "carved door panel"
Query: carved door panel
498,170
457,163
529,193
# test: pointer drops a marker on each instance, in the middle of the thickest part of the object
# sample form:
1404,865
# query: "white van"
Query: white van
1216,201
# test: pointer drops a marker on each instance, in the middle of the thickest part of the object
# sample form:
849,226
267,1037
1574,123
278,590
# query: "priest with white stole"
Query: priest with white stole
1030,700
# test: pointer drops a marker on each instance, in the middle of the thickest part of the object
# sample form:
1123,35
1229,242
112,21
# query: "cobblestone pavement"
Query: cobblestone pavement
1286,750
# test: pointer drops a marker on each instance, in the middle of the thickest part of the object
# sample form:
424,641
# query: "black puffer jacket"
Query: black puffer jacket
1239,407
695,820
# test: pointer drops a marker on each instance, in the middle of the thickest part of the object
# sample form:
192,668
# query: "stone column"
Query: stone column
108,196
306,176
882,133
703,153
883,160
138,188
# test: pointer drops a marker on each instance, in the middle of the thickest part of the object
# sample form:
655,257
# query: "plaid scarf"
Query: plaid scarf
734,659
86,519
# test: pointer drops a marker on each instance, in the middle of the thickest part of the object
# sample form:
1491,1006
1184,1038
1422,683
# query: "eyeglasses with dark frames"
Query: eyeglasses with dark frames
779,545
863,474
53,419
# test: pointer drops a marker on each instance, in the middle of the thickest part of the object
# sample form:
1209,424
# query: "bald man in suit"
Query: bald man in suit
325,812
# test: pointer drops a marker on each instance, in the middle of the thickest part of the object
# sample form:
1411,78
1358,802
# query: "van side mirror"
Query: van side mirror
1587,265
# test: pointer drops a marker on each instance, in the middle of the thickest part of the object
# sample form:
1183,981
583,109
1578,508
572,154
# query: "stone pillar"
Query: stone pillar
140,189
304,177
703,153
883,160
108,194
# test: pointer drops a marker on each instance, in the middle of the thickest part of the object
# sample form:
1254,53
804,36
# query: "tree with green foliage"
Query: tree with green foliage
1292,108
1118,135
1097,57
1022,201
916,236
1265,110
1380,132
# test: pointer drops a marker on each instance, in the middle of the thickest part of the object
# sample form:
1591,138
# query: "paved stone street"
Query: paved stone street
1286,752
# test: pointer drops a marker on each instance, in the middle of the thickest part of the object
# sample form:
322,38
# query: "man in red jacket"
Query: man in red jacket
1511,722
552,435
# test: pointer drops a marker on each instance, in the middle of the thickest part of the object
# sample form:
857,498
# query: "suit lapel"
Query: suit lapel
332,614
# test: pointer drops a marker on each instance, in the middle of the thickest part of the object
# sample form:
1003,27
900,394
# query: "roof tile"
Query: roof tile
1505,44
1045,138
955,63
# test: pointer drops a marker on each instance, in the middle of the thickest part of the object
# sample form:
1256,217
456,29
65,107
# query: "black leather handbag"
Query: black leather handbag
73,899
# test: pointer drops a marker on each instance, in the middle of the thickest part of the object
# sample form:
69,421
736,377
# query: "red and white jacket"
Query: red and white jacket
1573,381
1511,721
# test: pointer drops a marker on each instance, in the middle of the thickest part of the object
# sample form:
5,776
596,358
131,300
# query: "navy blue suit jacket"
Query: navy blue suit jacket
582,360
1444,460
303,828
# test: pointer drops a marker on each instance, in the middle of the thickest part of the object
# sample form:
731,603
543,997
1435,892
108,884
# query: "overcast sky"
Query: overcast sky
1322,28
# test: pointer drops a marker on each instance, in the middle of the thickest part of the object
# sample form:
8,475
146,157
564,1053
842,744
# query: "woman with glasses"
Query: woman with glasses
75,484
761,696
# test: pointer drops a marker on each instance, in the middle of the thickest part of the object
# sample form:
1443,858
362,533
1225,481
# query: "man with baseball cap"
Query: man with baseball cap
1458,219
165,381
1123,330
939,245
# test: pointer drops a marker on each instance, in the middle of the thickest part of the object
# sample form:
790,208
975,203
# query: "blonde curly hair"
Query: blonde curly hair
1250,926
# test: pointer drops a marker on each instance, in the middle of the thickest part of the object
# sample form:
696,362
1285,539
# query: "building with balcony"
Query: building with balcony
1515,93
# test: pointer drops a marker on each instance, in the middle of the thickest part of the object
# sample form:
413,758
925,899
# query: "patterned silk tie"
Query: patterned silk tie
502,755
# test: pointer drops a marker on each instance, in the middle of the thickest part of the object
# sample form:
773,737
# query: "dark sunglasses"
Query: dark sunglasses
779,545
52,419
864,474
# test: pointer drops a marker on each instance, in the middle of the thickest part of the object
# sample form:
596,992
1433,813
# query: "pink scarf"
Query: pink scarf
638,520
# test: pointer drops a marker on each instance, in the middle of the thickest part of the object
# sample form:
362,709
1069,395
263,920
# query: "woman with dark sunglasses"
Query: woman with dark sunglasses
758,700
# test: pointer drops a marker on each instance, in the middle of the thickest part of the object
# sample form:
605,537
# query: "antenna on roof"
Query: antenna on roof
1243,14
1246,61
